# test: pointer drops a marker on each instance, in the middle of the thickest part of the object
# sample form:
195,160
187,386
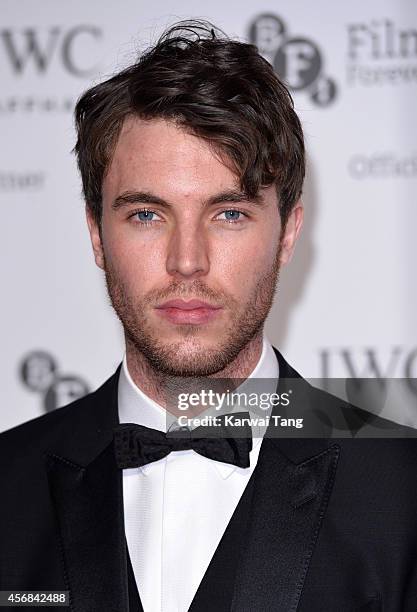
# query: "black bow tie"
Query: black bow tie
136,445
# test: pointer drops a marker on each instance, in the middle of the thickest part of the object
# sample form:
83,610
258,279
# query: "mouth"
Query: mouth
194,312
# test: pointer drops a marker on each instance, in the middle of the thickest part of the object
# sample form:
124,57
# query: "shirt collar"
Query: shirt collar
136,407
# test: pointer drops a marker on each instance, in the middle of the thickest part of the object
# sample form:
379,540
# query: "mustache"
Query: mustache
194,289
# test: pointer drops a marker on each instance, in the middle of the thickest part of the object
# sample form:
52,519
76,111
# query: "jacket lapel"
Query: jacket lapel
87,494
288,504
293,480
89,509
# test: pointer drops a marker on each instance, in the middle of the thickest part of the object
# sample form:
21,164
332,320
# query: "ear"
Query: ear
95,237
291,232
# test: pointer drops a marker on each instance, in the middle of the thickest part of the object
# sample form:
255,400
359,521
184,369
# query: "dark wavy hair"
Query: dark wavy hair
216,88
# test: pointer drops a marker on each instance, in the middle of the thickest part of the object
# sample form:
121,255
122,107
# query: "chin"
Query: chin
187,359
191,338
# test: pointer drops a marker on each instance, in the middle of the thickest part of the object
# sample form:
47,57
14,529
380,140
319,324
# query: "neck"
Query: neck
158,386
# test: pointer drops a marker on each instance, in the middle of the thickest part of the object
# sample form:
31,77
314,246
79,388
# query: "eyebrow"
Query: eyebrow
145,197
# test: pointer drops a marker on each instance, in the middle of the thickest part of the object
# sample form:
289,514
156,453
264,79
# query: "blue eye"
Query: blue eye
231,215
145,215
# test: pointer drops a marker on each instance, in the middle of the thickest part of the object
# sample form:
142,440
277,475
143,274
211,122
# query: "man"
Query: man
192,162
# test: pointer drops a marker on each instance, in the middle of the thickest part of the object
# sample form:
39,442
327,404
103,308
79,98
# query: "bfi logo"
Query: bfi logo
297,60
40,374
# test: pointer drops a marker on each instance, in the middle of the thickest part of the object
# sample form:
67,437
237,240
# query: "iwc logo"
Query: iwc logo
39,373
47,52
298,61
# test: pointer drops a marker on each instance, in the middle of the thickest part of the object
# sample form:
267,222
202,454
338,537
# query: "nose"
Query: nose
188,255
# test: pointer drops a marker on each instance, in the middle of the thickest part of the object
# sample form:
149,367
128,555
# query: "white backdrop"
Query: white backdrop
347,304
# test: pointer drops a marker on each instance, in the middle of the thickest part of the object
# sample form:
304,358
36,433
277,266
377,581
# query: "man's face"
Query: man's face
191,264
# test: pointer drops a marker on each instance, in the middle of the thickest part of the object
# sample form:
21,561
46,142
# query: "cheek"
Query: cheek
239,267
139,265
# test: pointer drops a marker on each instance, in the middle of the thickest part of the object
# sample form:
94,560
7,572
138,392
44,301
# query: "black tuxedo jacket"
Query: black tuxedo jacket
324,525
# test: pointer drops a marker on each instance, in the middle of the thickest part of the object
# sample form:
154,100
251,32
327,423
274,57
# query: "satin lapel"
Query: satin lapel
289,503
293,480
89,509
87,494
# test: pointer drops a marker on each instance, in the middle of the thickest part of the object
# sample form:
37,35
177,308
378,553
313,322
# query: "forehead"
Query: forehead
159,153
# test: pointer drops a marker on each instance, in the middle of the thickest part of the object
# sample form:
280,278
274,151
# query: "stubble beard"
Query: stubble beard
194,359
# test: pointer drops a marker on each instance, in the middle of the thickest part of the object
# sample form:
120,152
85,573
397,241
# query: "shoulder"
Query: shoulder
22,447
337,414
93,411
377,458
368,443
44,424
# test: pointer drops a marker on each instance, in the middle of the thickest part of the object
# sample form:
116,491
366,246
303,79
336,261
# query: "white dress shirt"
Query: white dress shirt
177,509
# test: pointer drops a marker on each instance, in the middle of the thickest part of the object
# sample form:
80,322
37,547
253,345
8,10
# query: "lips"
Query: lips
194,312
190,305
